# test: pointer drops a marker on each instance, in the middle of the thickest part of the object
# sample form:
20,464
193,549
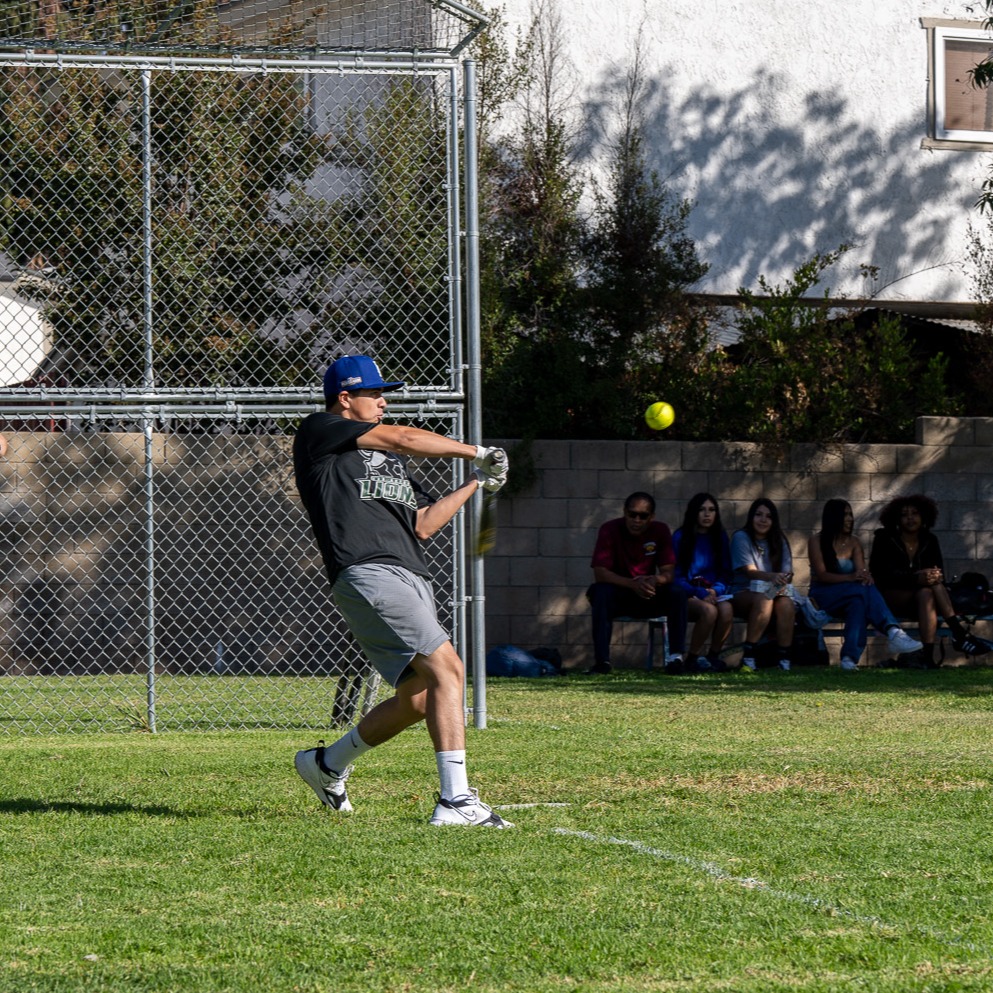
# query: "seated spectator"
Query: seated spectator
763,570
633,564
907,566
703,572
842,585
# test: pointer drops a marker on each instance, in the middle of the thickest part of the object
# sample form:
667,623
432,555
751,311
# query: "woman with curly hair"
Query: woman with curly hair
907,566
842,585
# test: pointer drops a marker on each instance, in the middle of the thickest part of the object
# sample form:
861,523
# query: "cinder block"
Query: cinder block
517,541
550,455
780,486
618,486
670,512
564,483
956,545
984,490
983,426
589,514
578,571
731,485
557,543
563,601
945,431
918,459
959,458
984,550
513,600
752,457
527,631
869,458
963,517
817,458
678,487
542,571
800,517
644,456
609,456
534,512
497,629
850,486
579,631
885,487
496,569
704,455
944,487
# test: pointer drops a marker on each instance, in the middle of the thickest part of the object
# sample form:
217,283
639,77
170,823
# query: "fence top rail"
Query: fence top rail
65,396
159,410
427,62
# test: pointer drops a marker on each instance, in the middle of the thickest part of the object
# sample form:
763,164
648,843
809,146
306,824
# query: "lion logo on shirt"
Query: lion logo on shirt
385,479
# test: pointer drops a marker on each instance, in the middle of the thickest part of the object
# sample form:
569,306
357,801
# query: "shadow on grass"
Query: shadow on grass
28,805
965,681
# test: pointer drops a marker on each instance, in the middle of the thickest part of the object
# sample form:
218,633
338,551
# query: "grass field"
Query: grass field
812,831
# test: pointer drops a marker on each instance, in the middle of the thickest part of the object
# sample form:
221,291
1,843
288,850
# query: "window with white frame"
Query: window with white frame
959,112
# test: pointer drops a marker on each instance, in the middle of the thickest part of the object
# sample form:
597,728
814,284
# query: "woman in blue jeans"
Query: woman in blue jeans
842,585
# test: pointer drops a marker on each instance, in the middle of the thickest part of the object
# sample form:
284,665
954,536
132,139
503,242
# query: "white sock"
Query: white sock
345,751
452,773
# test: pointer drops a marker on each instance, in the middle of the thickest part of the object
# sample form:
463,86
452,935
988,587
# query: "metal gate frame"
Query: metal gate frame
456,400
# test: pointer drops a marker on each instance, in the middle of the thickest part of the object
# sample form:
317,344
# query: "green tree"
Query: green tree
819,372
644,340
223,148
531,244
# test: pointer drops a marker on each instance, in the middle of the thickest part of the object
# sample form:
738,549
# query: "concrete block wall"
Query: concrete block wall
538,572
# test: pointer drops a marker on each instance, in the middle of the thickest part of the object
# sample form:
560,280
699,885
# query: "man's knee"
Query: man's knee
442,666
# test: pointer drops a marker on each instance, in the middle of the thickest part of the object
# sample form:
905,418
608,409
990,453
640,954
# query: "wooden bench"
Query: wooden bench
836,629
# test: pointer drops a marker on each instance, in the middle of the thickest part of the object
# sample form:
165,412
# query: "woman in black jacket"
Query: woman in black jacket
907,566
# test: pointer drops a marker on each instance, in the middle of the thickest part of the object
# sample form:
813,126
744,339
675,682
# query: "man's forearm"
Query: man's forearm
432,519
405,440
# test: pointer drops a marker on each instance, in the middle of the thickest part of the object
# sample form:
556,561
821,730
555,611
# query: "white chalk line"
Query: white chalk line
815,903
527,806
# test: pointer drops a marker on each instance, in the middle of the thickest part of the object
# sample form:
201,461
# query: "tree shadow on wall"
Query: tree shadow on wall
767,194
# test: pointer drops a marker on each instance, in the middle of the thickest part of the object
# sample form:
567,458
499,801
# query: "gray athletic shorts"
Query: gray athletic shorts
391,613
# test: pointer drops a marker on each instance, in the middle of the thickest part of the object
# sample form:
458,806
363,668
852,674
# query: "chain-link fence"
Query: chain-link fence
180,232
167,578
433,28
186,241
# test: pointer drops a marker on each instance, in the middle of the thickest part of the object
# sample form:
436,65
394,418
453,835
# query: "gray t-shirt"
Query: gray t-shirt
745,552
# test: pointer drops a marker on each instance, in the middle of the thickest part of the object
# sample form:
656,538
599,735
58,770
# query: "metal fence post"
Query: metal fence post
474,386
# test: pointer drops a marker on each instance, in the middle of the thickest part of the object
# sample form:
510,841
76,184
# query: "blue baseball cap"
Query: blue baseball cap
355,372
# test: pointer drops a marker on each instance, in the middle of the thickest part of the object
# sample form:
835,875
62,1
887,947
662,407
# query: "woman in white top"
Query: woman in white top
763,569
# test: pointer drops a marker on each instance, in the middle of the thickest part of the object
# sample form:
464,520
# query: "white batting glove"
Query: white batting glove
492,461
490,483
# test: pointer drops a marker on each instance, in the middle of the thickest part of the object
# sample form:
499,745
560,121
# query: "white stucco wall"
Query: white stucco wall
794,127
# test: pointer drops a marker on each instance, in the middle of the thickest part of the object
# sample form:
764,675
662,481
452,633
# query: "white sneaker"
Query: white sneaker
326,783
784,664
848,665
901,643
469,811
748,664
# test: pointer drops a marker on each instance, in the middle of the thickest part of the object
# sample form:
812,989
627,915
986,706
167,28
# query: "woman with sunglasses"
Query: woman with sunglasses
703,571
763,570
